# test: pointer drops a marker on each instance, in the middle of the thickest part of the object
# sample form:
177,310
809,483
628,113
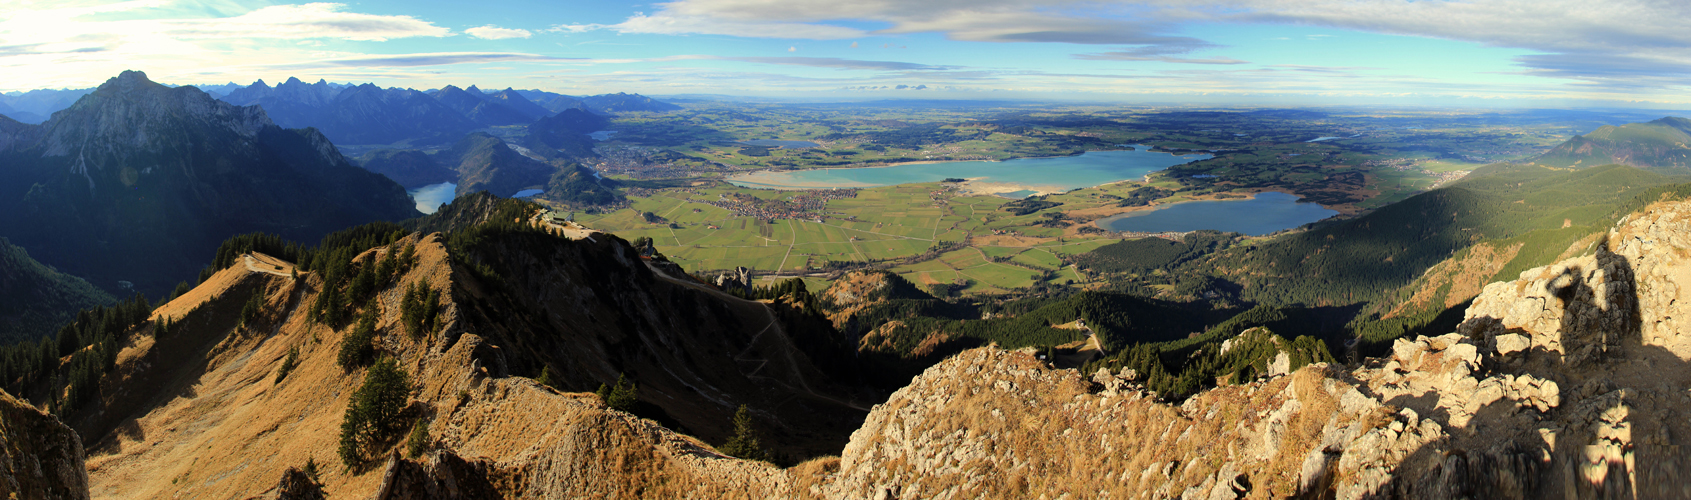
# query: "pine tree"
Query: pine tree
355,348
744,444
372,416
621,397
545,377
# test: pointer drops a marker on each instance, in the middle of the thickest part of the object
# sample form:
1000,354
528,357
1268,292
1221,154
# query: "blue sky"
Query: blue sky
1432,52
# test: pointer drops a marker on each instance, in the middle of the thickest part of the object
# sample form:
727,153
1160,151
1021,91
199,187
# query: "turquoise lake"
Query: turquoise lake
1010,178
430,197
1267,213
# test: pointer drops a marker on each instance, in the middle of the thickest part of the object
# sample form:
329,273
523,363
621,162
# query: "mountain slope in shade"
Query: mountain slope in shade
1663,144
408,167
566,132
486,163
35,300
136,181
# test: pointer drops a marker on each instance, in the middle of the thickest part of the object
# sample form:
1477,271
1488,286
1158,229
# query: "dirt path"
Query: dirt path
794,229
268,267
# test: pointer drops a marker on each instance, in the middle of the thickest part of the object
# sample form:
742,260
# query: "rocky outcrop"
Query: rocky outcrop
1568,382
39,456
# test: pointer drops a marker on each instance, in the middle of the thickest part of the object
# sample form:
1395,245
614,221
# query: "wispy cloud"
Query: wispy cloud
1613,42
665,23
1162,53
70,43
491,32
312,20
1630,34
831,62
415,60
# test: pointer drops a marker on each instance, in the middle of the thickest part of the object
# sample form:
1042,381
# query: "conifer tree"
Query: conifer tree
372,418
744,444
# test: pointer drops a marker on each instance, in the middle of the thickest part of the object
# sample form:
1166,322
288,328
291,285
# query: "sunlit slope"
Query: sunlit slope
1663,144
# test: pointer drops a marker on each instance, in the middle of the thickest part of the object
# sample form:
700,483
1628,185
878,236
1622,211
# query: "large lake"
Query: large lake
1266,213
1011,178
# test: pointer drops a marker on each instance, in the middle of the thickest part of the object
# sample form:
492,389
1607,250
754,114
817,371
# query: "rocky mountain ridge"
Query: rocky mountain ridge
128,187
1564,383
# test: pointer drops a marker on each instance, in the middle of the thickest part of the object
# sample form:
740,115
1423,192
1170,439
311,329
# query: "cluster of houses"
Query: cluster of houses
805,205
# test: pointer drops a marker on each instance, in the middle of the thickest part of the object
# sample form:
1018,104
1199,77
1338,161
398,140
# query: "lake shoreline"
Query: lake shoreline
790,180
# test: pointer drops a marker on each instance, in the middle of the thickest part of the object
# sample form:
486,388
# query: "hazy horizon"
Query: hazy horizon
1507,53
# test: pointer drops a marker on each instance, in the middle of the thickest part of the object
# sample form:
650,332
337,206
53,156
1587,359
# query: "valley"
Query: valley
704,303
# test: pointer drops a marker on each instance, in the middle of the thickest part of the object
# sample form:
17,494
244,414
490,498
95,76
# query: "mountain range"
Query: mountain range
36,105
370,115
131,186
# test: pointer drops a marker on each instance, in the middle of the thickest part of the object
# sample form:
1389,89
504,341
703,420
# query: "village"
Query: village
807,204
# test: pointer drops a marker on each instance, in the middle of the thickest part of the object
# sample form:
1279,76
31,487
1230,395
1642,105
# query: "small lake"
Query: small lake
1017,178
1267,213
602,135
785,144
429,198
527,193
1329,138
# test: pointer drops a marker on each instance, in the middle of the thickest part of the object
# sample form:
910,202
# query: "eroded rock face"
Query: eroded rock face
1569,382
39,456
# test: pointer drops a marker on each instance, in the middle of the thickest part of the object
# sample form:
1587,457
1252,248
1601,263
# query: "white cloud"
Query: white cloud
312,20
491,32
66,44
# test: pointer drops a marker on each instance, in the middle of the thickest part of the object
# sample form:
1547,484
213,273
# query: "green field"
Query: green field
885,226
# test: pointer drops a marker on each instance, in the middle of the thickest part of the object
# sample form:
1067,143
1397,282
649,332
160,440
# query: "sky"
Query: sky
1526,53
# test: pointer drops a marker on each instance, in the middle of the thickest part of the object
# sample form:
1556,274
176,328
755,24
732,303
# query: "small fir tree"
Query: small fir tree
744,444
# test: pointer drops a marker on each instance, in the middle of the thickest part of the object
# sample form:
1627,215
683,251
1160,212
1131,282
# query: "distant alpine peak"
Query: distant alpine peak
292,80
133,112
473,90
126,80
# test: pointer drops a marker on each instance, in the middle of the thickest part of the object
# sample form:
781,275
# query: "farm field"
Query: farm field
884,226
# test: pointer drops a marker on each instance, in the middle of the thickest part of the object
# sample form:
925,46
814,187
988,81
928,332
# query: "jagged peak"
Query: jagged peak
260,84
292,81
126,81
473,90
133,111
